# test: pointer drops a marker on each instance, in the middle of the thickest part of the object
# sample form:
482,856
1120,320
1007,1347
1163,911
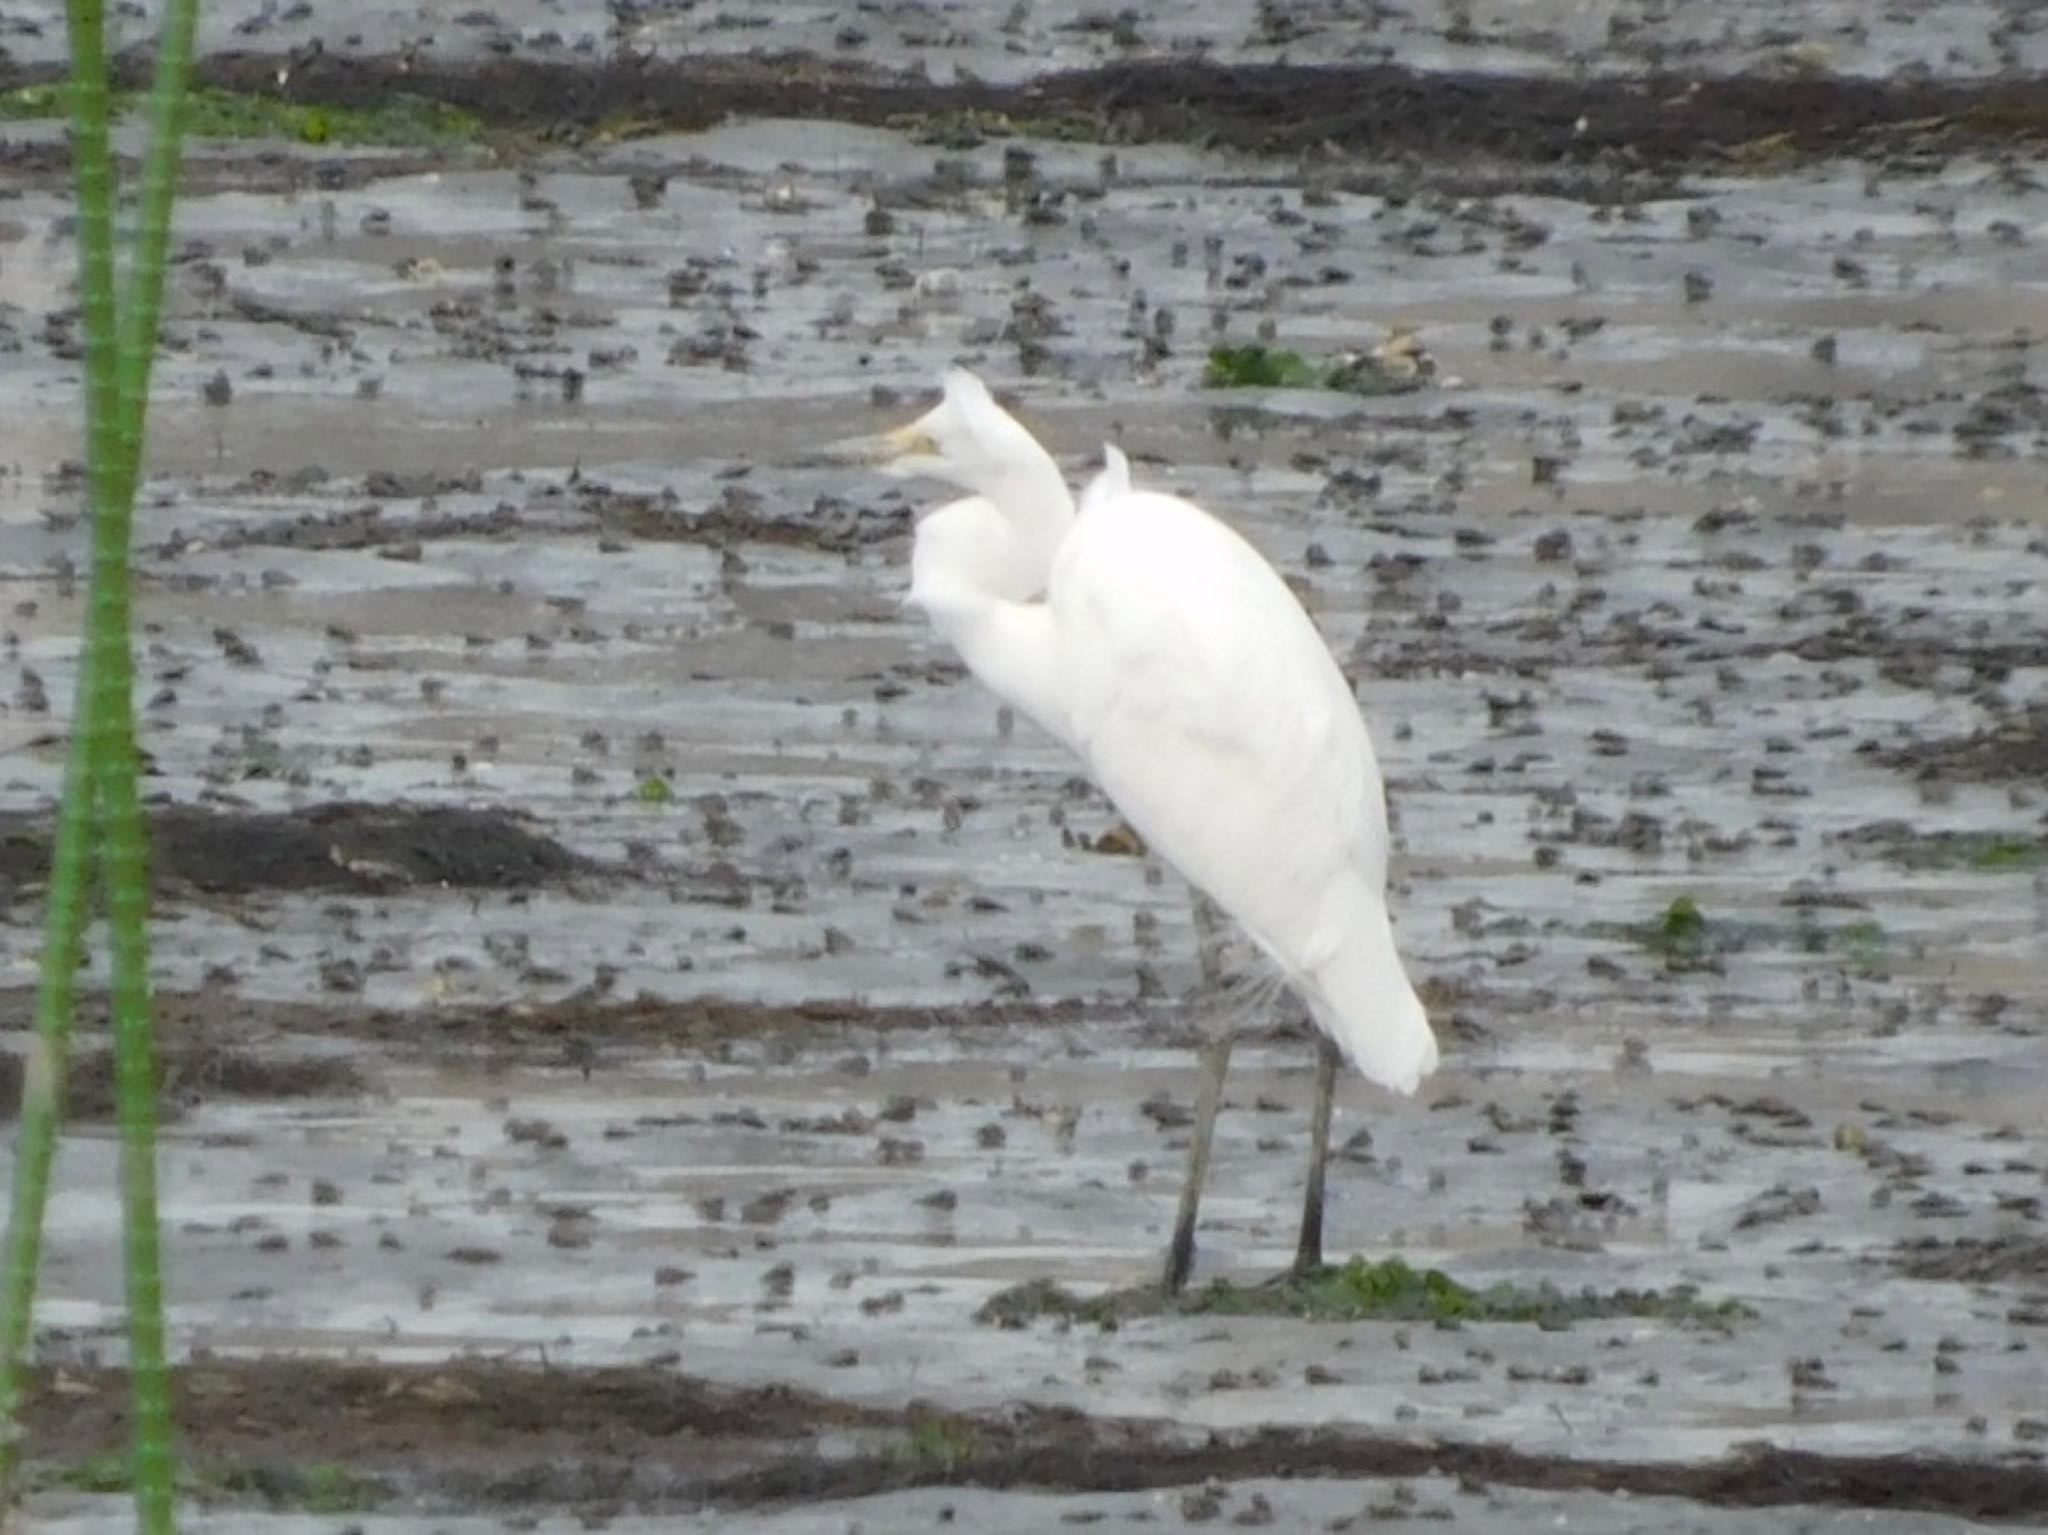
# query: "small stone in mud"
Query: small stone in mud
892,1152
648,188
1164,1112
341,975
238,650
1809,1375
535,1132
571,1230
1201,1504
766,1209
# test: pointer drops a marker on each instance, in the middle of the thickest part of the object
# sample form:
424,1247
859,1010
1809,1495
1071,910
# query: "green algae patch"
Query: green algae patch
1392,1290
1396,366
970,128
1862,945
403,122
1687,939
1984,852
1040,1299
2000,853
105,1474
318,1487
1259,367
938,1444
1358,1291
1680,935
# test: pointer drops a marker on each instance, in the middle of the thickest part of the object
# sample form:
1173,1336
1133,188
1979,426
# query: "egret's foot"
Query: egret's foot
1307,1264
1308,1247
1293,1277
1180,1262
1308,1251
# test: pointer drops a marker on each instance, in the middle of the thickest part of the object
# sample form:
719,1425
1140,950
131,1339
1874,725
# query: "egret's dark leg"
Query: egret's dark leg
1209,937
1180,1254
1308,1252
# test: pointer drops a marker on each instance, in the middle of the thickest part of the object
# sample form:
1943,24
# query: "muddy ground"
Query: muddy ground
629,1002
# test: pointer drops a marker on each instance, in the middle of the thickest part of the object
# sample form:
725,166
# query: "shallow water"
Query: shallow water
1712,641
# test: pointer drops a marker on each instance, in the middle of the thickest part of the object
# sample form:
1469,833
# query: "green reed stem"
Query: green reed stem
100,771
71,852
124,845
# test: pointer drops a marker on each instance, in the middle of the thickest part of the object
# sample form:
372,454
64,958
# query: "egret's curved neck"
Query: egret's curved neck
1011,646
1032,495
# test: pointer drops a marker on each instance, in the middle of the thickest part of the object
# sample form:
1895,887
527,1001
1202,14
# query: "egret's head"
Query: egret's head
966,440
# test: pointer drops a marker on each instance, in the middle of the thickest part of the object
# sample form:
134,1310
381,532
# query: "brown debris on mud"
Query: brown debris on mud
514,1436
692,1022
2016,750
1996,1260
366,527
1666,122
343,846
188,1074
230,1046
830,525
834,526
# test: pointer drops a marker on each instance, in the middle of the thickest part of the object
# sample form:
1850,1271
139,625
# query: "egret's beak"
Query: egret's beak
875,452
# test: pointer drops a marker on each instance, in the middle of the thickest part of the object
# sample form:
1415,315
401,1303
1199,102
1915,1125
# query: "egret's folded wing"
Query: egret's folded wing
1211,711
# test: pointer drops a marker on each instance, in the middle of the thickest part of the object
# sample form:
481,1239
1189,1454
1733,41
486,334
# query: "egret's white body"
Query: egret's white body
1170,656
1216,718
1174,660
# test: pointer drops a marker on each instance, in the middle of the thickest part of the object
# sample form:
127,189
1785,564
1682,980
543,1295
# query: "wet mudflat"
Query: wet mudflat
631,1003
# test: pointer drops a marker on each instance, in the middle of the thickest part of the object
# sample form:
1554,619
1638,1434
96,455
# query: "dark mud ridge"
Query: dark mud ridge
187,1075
2016,750
651,1438
238,1047
1668,122
339,847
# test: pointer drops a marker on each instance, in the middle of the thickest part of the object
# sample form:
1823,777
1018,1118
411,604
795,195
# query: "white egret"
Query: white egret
1168,654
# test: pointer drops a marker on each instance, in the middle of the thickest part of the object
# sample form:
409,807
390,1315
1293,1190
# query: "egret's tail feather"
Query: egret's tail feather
1362,1000
1245,998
